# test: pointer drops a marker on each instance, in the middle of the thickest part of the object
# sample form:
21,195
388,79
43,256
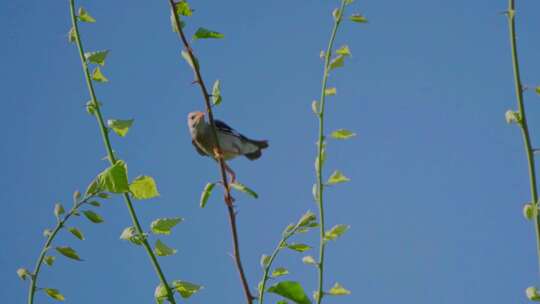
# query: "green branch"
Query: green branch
522,121
59,225
106,141
320,151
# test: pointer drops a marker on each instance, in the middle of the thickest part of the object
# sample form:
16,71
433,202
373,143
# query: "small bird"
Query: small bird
231,142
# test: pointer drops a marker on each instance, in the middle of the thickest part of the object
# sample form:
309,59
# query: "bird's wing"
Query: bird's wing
223,127
199,150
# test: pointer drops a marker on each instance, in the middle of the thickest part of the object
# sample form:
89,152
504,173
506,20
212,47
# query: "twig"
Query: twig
320,151
511,13
59,225
228,198
110,153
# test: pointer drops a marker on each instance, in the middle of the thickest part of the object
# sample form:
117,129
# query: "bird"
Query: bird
231,142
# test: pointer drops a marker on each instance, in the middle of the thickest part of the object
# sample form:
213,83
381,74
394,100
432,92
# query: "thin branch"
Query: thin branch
110,153
511,13
59,225
228,198
320,151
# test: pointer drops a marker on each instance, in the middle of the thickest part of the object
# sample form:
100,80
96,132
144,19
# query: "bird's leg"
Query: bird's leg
231,173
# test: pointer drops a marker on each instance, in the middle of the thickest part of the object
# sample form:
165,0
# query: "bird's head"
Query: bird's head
195,120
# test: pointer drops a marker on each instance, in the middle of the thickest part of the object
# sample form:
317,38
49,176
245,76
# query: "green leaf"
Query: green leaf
94,187
49,260
98,76
84,16
216,93
95,203
342,134
309,219
280,271
537,90
54,293
114,179
120,126
338,290
203,33
163,250
337,177
315,107
76,196
336,232
336,62
315,192
330,91
130,234
344,51
164,225
336,13
358,18
143,187
23,273
512,117
47,233
68,252
282,302
309,260
205,195
97,57
265,260
93,217
58,210
186,289
290,290
299,247
240,187
72,35
160,294
77,233
91,107
194,64
532,294
182,8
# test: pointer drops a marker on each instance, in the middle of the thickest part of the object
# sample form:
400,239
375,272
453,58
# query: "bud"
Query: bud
512,117
528,211
532,294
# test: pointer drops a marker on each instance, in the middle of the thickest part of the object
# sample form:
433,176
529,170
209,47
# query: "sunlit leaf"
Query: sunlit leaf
84,16
143,187
299,247
205,195
54,293
114,179
338,290
537,90
240,187
164,225
344,51
216,93
120,126
186,289
47,233
358,18
330,91
290,290
72,35
315,107
23,273
309,219
98,76
93,217
130,234
97,57
337,177
532,294
163,250
265,260
203,33
94,203
183,9
309,260
336,232
280,271
76,232
49,260
336,62
68,252
194,64
160,294
342,134
58,210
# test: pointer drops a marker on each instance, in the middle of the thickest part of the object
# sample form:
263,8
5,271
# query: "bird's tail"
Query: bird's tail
261,144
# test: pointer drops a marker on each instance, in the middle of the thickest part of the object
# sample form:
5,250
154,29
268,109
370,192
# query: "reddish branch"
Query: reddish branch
219,155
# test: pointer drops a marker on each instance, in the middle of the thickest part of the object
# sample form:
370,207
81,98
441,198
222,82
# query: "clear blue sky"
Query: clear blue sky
438,177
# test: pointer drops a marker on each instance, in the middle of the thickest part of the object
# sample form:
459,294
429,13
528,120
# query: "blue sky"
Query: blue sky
438,177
